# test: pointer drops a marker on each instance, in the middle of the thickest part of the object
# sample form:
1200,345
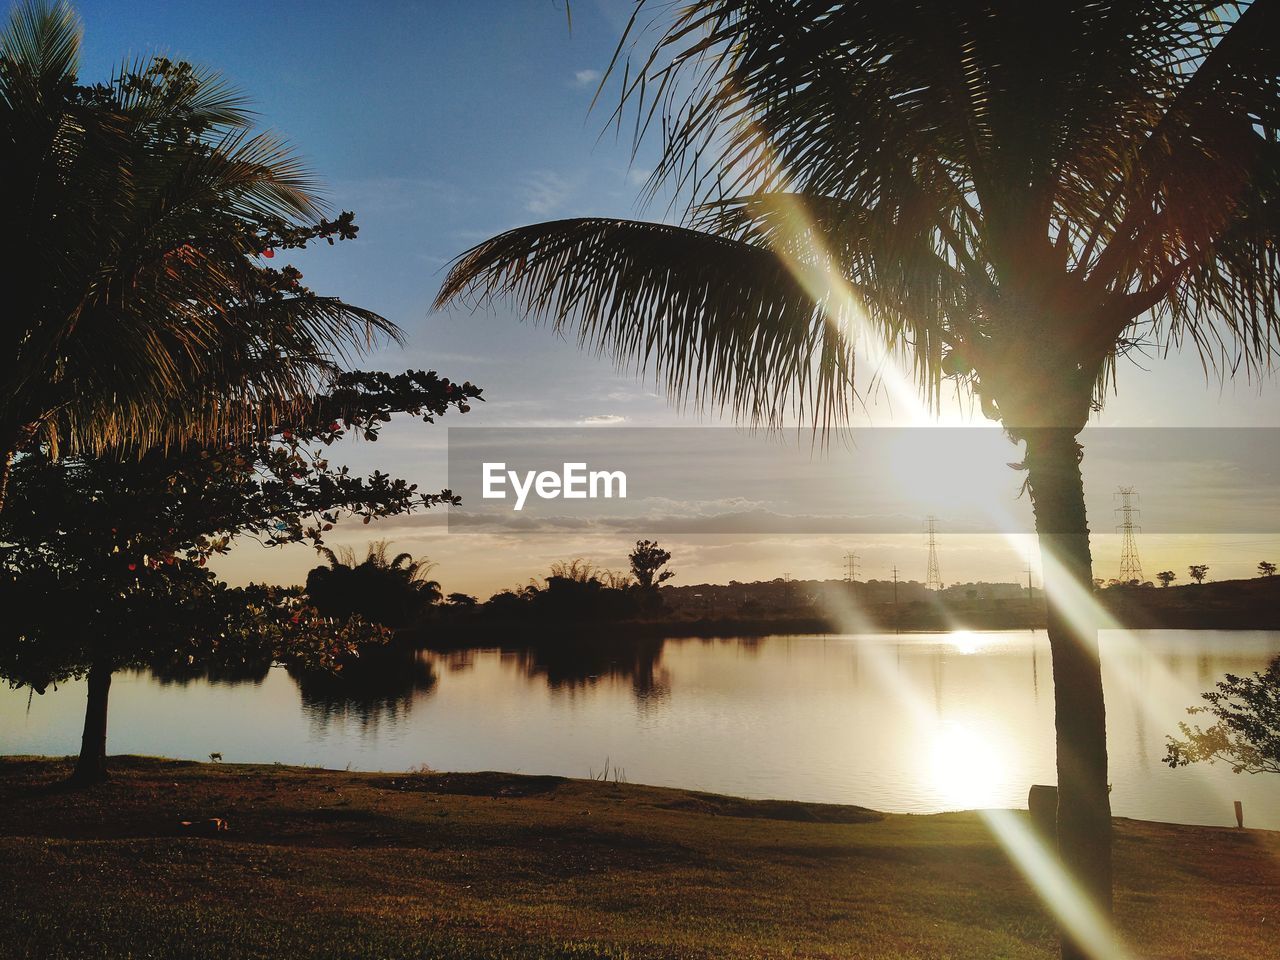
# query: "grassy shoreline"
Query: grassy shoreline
336,864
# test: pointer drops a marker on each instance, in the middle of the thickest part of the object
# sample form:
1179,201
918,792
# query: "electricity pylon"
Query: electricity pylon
1128,514
933,579
850,567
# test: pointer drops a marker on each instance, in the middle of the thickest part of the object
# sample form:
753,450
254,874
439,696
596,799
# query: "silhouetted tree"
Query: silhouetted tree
140,216
1246,733
647,561
1011,194
1266,569
462,600
1166,577
1198,571
102,561
506,604
574,592
392,591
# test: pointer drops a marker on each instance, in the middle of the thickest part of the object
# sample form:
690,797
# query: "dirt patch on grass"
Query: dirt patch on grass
486,784
794,811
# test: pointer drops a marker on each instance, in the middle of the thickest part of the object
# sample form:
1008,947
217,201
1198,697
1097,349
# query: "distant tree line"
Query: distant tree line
394,591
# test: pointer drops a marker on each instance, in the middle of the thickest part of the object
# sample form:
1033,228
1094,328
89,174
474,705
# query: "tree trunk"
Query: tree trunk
92,766
6,468
1084,806
11,441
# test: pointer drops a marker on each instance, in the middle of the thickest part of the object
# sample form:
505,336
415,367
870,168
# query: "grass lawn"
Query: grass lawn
333,864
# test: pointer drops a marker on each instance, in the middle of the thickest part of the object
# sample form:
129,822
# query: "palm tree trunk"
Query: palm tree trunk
91,767
1084,806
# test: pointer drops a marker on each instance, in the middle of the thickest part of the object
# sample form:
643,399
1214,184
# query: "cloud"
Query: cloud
546,192
585,78
603,419
730,516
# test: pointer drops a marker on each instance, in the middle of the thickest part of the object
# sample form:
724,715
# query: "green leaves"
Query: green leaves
1037,188
141,312
712,318
104,558
1246,734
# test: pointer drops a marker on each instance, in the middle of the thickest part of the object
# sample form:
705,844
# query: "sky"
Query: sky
442,123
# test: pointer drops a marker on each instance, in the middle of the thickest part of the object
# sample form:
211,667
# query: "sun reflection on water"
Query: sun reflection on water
966,769
966,641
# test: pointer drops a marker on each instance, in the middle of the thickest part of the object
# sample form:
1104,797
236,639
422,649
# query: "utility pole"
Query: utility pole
933,579
896,619
1031,595
850,567
1128,514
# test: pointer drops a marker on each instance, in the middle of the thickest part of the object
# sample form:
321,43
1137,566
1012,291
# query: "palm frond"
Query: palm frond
715,320
40,48
149,96
1101,172
139,314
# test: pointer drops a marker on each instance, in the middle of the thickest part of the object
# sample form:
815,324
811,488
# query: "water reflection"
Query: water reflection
964,765
914,723
576,663
966,641
380,687
181,673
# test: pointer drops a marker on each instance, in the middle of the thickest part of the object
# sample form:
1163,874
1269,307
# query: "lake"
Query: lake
915,723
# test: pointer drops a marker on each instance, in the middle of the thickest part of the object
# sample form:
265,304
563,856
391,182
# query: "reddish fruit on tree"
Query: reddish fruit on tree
133,566
268,253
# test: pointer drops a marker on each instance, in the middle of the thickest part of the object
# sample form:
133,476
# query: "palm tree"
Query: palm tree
380,588
136,211
1012,195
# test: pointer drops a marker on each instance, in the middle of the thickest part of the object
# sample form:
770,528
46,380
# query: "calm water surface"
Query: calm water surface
914,723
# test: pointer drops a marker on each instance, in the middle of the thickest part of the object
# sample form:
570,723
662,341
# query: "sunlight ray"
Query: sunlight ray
1040,866
1053,885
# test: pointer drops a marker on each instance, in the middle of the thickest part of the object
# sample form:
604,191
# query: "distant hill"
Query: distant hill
836,606
1227,604
841,606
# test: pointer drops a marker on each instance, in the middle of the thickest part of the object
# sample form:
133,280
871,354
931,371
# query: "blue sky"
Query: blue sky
442,123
